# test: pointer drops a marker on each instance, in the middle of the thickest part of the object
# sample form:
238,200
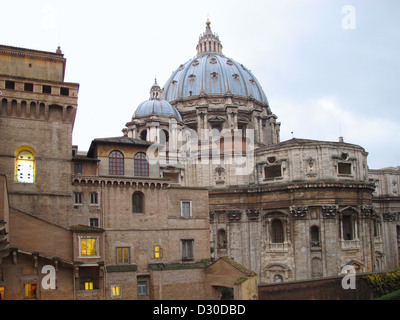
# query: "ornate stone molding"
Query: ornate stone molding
368,212
389,216
212,215
299,212
330,211
253,214
234,215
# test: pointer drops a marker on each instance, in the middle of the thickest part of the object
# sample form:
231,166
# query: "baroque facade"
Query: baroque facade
197,193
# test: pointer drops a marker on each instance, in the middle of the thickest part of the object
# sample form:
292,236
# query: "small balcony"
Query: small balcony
350,244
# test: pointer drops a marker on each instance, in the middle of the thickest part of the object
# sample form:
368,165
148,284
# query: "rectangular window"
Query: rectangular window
344,168
78,198
123,255
116,291
88,247
187,249
94,198
28,87
64,91
157,252
88,285
94,222
30,291
274,171
186,209
46,89
142,288
1,293
10,85
77,168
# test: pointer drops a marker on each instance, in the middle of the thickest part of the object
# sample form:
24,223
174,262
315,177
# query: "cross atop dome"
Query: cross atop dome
209,42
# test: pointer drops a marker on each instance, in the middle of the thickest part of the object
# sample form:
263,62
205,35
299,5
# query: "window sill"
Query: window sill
89,257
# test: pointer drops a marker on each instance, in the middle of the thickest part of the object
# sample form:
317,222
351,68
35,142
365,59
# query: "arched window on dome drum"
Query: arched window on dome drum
141,165
143,135
277,231
116,163
25,166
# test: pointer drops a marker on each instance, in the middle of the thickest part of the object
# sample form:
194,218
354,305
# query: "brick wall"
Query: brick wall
323,289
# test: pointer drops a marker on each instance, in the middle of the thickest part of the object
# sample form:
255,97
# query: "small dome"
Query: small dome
156,106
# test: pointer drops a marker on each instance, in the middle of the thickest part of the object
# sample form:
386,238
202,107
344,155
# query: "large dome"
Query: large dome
211,73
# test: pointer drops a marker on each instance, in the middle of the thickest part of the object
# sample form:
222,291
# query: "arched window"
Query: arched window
137,202
116,163
277,231
314,236
143,135
141,165
25,165
164,136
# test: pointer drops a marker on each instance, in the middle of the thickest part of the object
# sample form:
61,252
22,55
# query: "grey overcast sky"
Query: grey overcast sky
329,68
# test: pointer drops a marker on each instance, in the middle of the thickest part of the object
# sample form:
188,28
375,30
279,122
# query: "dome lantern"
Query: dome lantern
209,42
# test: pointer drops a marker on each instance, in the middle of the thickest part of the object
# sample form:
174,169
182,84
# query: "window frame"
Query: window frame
344,166
32,290
141,166
190,209
94,196
78,198
184,248
116,163
135,206
113,295
277,237
93,220
97,247
157,252
20,161
124,260
77,168
140,285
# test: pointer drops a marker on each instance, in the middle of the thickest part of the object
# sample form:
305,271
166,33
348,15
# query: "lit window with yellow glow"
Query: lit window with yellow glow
157,252
30,291
123,255
88,247
1,293
116,291
88,285
25,165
